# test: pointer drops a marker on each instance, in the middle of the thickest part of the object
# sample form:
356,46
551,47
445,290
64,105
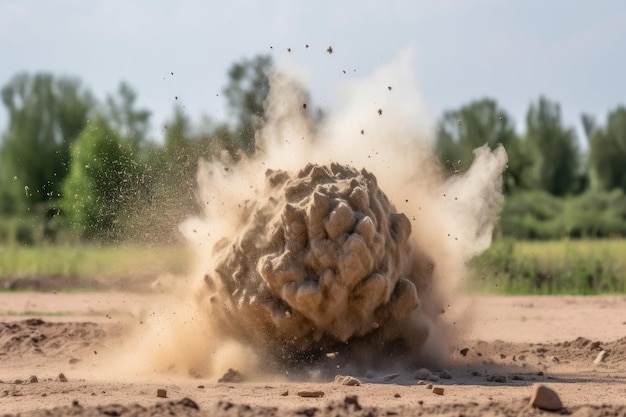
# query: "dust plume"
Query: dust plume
346,238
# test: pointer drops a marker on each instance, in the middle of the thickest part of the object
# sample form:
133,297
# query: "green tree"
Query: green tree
479,122
555,150
246,91
46,114
102,183
124,116
607,151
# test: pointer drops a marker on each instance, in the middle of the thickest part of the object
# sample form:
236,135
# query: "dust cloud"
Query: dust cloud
344,243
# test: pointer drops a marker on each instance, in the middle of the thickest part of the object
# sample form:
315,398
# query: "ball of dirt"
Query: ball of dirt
323,258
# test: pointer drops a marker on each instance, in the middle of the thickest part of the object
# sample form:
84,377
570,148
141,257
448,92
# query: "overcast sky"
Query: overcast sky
572,51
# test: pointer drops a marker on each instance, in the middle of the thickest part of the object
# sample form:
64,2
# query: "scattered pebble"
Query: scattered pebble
161,393
545,399
311,394
421,382
601,356
200,386
74,361
347,380
396,395
429,386
284,394
438,390
62,377
18,382
33,379
464,351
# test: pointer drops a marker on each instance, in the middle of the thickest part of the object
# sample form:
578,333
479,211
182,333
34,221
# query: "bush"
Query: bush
538,215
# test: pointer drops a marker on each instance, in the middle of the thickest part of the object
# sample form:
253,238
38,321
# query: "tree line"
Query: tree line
73,166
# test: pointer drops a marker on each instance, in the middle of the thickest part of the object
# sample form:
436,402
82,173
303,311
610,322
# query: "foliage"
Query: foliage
532,215
104,178
551,267
539,215
554,148
479,122
125,118
607,153
45,114
246,91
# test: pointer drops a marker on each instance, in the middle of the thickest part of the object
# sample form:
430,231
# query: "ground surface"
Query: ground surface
513,343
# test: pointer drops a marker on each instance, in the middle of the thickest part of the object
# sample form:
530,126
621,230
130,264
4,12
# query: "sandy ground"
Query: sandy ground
513,344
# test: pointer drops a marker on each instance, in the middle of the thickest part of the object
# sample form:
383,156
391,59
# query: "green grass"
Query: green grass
592,266
87,261
508,267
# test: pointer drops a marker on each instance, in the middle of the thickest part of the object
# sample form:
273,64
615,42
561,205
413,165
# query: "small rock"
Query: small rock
517,378
545,399
18,382
311,394
476,373
464,351
396,395
502,356
445,374
33,379
438,390
284,394
421,382
555,359
62,377
74,361
347,380
231,376
200,386
429,386
601,356
161,393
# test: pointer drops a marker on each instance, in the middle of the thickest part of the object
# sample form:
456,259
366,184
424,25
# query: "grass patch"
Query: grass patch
86,261
565,266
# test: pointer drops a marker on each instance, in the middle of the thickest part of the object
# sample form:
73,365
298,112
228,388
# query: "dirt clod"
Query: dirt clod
347,380
311,394
545,398
62,377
